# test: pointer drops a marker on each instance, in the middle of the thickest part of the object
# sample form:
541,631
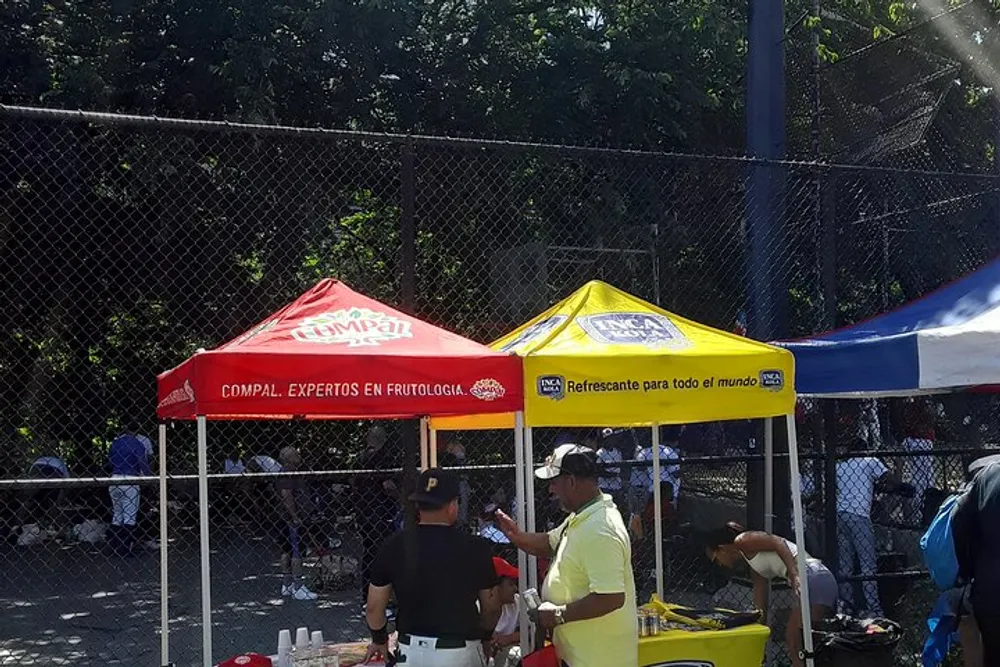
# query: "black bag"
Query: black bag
852,642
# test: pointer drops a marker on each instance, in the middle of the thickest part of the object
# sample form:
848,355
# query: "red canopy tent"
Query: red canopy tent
330,354
336,354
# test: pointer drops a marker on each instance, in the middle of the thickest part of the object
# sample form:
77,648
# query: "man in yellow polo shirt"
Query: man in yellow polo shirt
589,592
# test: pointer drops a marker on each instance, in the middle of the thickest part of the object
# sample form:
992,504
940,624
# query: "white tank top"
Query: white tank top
769,565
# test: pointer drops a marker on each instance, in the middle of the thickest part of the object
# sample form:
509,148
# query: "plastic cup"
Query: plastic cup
317,639
284,649
302,639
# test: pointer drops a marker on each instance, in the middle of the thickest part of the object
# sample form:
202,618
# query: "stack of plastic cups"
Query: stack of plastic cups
316,649
284,649
302,654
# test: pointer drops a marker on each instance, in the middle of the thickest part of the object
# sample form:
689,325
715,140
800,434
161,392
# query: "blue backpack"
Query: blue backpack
938,546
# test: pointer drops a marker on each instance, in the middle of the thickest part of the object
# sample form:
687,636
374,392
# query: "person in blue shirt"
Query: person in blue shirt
128,457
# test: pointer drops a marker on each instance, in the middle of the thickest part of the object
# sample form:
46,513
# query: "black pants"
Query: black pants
373,534
989,630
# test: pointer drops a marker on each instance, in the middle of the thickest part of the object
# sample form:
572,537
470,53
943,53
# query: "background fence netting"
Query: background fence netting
128,243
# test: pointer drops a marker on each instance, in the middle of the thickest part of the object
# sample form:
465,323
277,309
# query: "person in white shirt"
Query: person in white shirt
610,455
858,480
771,557
670,469
505,645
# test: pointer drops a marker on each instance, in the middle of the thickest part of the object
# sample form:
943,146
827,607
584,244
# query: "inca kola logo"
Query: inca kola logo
487,389
354,327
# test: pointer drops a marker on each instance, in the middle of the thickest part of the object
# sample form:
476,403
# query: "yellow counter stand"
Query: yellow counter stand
739,647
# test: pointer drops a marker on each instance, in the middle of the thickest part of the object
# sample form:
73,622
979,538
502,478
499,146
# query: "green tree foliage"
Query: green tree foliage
122,251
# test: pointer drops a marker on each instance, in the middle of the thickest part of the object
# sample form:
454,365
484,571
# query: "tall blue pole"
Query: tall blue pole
765,252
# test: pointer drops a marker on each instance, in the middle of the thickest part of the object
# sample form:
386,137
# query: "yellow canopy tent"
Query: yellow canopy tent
602,357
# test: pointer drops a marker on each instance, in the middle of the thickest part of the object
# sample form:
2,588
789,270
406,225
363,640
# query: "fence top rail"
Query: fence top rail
85,482
8,111
9,484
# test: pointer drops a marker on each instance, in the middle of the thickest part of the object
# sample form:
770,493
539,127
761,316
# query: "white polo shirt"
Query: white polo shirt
856,480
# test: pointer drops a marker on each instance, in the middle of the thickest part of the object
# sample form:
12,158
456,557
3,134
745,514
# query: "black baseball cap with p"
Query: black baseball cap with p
436,487
569,459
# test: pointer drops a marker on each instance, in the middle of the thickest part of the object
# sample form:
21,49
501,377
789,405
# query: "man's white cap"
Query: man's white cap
571,459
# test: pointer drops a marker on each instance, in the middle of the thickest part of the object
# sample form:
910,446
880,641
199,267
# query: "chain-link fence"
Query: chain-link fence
128,243
905,90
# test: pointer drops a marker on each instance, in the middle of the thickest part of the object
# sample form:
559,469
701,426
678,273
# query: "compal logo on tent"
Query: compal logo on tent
648,329
354,327
487,389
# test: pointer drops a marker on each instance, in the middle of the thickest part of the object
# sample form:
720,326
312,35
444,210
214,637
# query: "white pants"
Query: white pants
423,652
124,504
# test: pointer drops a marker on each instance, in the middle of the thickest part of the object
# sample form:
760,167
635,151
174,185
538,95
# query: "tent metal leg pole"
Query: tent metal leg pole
206,553
164,588
798,518
657,512
769,475
529,501
769,491
423,443
529,496
519,511
432,448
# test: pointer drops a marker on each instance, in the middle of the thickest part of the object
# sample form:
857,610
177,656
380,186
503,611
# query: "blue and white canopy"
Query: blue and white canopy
945,341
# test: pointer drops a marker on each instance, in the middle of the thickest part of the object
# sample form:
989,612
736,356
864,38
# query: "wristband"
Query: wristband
380,636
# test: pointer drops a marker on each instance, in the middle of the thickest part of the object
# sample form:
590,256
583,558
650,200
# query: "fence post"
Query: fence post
996,163
408,229
830,437
408,277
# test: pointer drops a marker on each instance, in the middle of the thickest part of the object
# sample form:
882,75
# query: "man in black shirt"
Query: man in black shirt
438,574
376,501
